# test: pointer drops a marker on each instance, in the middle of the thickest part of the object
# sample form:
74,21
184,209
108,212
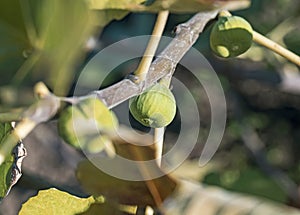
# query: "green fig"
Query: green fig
231,36
83,125
156,107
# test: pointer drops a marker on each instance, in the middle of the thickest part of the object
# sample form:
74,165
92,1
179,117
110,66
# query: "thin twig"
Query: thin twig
157,32
159,143
264,41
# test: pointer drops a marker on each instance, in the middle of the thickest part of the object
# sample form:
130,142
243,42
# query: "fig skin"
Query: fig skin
231,36
156,107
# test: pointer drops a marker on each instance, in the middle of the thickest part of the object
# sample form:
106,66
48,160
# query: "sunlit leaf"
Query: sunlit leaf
53,201
192,6
108,10
106,16
114,4
175,6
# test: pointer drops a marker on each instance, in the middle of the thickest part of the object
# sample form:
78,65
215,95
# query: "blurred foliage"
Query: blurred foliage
43,40
292,40
13,39
249,180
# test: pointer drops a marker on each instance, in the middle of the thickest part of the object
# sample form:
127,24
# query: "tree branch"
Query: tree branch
165,64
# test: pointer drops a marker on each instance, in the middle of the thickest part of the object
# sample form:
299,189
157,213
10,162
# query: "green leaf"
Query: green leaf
5,129
53,201
106,16
62,27
6,166
192,6
175,6
45,36
108,10
5,178
114,4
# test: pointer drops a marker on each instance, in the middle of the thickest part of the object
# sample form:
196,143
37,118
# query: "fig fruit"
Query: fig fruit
84,125
156,107
230,36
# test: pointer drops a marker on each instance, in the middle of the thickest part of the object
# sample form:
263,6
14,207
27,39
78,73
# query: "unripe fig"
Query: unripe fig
230,36
156,107
82,125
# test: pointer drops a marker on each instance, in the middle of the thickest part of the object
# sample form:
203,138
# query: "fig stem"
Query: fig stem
270,44
158,29
275,47
159,143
